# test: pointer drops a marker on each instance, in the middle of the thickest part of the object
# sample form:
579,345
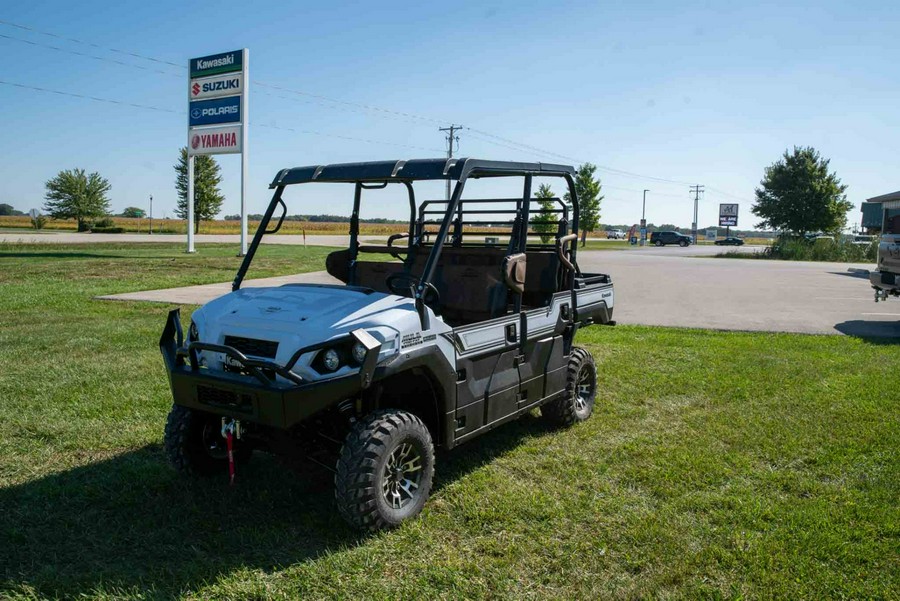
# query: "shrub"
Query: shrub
106,222
787,248
38,222
108,230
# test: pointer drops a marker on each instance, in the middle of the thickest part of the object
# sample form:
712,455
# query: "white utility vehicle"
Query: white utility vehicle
431,339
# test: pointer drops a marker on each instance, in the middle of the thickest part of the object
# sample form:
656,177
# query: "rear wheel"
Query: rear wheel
194,443
385,470
659,243
577,404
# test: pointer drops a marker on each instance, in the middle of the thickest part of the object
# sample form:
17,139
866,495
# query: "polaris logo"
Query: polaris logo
216,111
204,64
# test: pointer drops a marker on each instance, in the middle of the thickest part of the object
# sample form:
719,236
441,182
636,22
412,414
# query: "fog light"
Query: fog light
331,360
359,352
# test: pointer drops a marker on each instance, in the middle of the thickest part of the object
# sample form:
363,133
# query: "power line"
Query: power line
175,112
91,44
451,138
504,142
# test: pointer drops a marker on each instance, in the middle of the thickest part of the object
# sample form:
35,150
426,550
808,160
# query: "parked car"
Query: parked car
615,234
730,241
886,277
664,238
862,240
368,375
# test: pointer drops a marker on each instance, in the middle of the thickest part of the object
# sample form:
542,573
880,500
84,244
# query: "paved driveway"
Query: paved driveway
669,287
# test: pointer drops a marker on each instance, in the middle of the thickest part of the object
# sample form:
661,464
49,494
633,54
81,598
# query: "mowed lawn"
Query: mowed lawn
716,465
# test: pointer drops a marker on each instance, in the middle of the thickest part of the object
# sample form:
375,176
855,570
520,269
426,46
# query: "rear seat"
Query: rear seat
467,278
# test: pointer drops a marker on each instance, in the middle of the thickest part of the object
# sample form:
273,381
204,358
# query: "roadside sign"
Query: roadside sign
230,84
728,215
712,234
215,140
214,64
218,110
218,116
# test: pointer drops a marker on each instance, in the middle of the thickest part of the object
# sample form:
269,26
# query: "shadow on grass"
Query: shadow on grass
131,524
875,332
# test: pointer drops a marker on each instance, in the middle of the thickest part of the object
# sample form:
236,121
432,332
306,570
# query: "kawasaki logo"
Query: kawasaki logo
203,64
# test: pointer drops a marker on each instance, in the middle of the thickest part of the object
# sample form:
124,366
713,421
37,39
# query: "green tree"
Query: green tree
74,195
799,195
208,198
587,187
545,221
134,213
6,209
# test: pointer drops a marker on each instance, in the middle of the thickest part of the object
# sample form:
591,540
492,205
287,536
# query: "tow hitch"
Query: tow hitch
231,429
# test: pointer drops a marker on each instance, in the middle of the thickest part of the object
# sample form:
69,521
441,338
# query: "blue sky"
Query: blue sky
695,92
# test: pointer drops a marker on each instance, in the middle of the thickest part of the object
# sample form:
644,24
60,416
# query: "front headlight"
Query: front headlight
331,360
359,352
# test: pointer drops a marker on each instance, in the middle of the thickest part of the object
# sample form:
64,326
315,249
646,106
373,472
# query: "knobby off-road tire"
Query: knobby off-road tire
581,390
194,443
385,470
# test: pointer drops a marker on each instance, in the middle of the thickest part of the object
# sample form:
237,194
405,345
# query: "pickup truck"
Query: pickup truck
886,277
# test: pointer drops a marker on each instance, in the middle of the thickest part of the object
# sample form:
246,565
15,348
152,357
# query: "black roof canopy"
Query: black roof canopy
413,170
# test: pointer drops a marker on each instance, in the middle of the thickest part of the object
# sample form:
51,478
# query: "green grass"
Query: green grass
717,465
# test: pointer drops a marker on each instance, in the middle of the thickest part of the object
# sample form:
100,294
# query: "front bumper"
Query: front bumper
256,397
885,280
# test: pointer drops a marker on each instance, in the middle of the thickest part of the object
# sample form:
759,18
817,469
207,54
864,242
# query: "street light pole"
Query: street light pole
151,214
644,219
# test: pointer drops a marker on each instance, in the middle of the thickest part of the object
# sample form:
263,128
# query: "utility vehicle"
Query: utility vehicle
886,278
428,340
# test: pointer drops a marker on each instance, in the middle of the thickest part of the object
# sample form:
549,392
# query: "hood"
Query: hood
298,315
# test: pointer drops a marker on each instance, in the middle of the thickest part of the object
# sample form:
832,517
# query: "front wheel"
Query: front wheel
577,404
385,470
683,243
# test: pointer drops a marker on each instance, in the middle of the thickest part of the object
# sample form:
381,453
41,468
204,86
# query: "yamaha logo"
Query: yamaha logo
195,141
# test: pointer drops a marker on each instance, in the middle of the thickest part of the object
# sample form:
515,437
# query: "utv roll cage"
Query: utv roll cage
456,221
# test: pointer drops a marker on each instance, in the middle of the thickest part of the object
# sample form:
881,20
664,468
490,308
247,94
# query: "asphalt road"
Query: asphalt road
672,286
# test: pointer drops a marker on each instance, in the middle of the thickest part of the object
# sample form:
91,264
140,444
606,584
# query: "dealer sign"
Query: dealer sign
215,140
218,110
217,86
728,215
215,64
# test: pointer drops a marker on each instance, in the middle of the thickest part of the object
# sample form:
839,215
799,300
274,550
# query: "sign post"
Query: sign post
218,120
728,217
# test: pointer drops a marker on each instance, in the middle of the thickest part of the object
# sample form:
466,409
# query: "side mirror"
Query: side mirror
513,270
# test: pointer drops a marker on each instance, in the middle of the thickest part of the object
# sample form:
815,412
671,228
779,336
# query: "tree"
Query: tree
6,210
588,190
134,213
74,195
798,195
207,197
544,222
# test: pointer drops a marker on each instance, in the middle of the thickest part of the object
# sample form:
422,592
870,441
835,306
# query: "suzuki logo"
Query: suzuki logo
195,89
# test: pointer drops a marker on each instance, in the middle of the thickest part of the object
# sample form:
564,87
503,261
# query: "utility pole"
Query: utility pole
451,138
644,219
151,214
697,190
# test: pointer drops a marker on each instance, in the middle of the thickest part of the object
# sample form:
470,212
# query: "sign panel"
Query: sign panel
230,84
214,64
211,112
728,215
214,140
712,234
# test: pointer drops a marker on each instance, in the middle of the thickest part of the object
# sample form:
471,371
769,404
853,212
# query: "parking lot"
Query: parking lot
687,287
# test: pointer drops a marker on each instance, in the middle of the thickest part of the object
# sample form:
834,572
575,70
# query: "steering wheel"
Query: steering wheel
403,284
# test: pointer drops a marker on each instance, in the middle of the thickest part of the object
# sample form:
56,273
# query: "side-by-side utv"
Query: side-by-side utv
461,323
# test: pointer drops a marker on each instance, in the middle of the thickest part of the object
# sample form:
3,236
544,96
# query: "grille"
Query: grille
227,399
252,346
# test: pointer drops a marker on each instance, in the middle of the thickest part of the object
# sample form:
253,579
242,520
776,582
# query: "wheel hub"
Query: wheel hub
401,476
